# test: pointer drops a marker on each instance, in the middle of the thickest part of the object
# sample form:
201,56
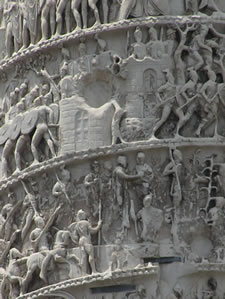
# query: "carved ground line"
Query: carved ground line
55,41
100,277
102,152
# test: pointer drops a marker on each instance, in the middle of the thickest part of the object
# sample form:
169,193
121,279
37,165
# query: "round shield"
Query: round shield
15,127
4,133
29,121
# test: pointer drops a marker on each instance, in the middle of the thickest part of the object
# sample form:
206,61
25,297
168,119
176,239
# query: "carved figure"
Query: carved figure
8,225
190,93
155,47
13,27
169,102
121,190
29,11
30,206
81,232
210,93
174,168
92,4
48,11
138,49
45,117
7,151
92,186
146,175
63,6
106,193
61,187
13,276
136,8
59,253
211,290
38,239
151,219
196,6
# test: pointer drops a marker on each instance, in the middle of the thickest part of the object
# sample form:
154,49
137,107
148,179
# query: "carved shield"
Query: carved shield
15,127
29,121
4,133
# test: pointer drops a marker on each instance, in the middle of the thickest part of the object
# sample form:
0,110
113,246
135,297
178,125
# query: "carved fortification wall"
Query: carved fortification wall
112,145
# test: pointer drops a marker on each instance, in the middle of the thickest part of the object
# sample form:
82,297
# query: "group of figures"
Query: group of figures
35,242
28,21
121,205
188,94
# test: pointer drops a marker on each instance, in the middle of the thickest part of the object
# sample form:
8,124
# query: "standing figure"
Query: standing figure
210,94
92,186
190,93
62,186
82,232
138,49
13,27
30,206
107,200
75,9
48,11
169,102
121,178
45,117
151,218
174,169
63,6
144,170
29,11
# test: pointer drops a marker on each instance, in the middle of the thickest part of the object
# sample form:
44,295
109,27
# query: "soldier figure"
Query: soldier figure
82,232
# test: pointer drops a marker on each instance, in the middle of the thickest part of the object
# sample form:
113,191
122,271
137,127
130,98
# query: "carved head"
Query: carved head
211,75
14,254
81,215
95,167
169,76
6,209
138,34
122,161
107,165
147,201
140,158
177,156
20,106
35,91
39,221
45,88
64,69
23,89
152,33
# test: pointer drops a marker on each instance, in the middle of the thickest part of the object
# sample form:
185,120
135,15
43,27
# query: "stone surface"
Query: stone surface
112,149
